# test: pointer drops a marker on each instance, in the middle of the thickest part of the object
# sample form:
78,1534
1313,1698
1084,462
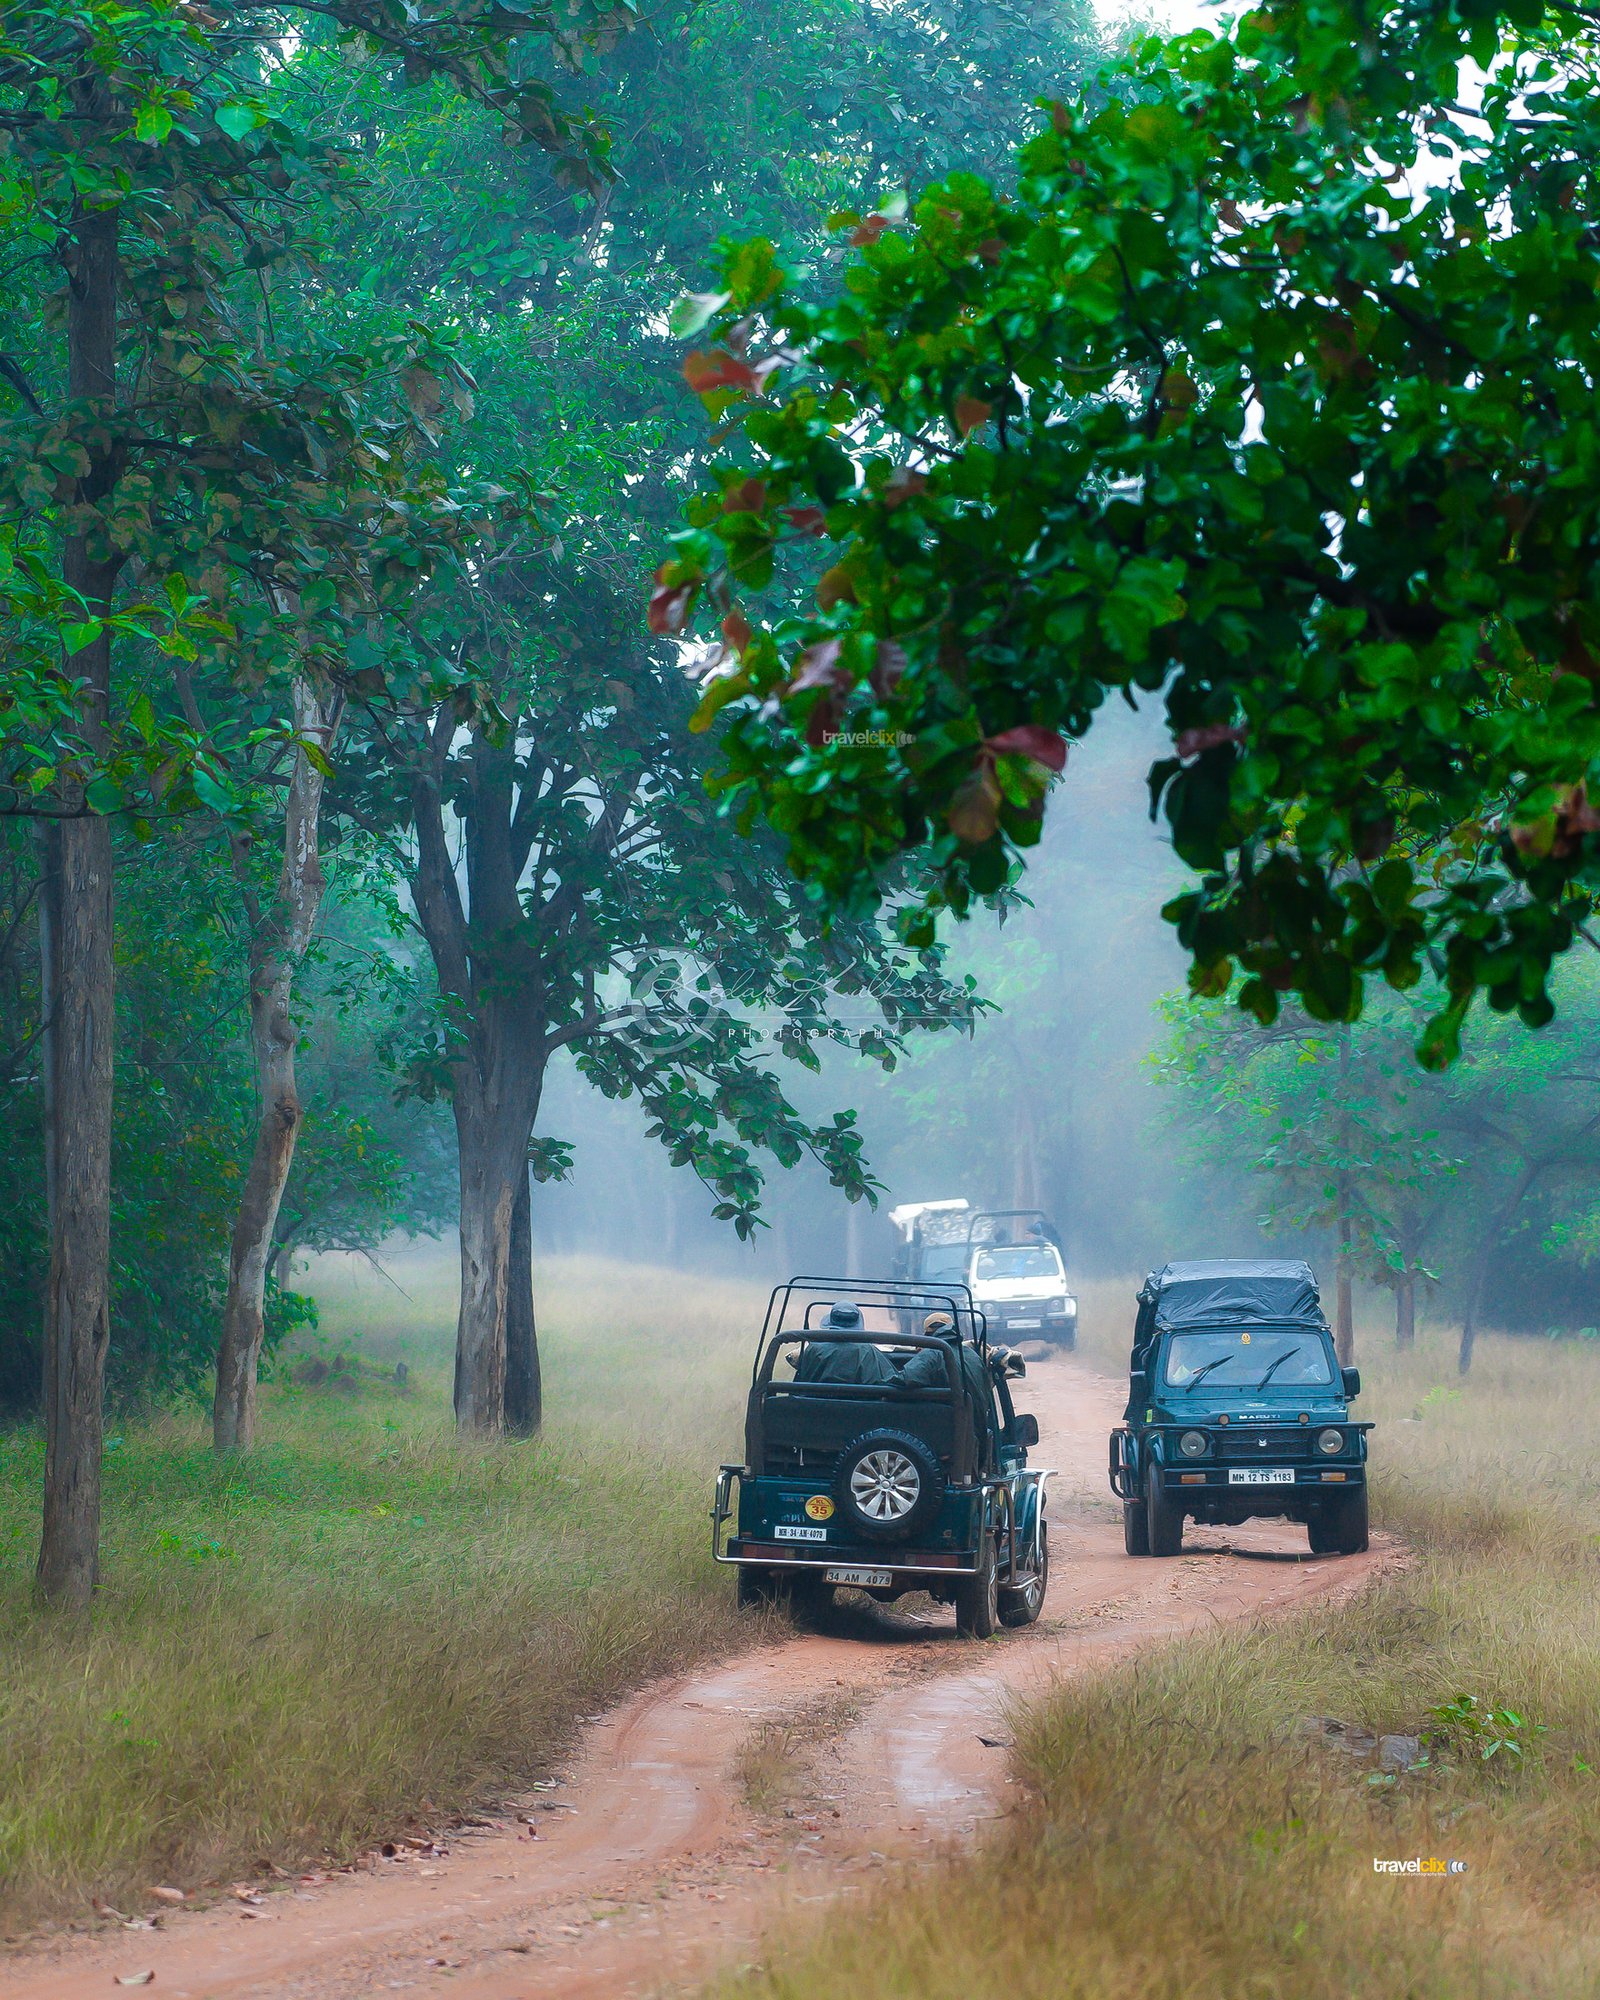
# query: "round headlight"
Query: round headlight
1330,1441
1193,1444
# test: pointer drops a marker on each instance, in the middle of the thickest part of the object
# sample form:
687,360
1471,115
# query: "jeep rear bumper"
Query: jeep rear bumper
936,1564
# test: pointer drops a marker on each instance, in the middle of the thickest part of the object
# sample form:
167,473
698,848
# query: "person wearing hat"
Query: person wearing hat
843,1360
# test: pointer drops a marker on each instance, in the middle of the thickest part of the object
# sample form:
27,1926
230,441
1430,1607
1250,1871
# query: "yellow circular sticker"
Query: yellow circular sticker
1245,1338
820,1507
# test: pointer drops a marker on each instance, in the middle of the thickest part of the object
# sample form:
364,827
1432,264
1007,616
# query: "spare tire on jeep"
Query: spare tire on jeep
889,1485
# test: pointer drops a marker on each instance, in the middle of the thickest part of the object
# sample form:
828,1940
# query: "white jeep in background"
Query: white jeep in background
1019,1282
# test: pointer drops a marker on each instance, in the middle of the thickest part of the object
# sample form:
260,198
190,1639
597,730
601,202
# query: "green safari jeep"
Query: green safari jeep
883,1459
1238,1410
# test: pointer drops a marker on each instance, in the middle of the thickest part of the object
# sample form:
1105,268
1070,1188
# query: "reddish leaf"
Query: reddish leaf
970,412
1192,742
835,586
736,631
1032,739
1574,818
669,604
718,369
868,230
992,249
974,811
748,497
903,484
807,521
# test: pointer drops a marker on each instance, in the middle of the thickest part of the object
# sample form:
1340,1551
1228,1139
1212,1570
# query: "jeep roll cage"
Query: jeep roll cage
1014,1241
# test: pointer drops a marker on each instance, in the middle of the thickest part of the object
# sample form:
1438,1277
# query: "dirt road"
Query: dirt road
646,1866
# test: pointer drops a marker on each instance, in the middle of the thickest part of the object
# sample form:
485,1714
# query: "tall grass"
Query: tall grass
1189,1834
363,1621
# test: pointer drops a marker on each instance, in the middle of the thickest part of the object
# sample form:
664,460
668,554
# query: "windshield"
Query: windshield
1256,1357
1019,1262
944,1260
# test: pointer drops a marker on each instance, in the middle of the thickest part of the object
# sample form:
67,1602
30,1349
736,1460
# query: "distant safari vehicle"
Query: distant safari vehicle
933,1241
1238,1409
1017,1278
887,1461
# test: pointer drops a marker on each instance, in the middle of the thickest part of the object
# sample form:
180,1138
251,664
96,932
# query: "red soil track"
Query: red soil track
647,1869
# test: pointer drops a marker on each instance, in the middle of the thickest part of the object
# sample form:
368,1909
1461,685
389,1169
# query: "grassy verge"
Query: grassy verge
1187,1835
362,1622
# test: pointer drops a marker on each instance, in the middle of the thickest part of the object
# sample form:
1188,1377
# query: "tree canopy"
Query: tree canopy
1267,390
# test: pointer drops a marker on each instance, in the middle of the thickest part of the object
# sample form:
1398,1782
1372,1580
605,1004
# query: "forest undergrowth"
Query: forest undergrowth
364,1625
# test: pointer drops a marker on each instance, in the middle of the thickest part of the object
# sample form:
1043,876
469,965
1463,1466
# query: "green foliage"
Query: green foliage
673,955
184,1114
1485,1179
1239,398
1483,1730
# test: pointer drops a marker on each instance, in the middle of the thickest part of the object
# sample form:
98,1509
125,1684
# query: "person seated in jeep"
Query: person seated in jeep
925,1367
843,1360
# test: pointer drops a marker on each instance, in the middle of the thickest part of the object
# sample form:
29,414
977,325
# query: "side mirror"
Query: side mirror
1351,1377
1028,1430
1016,1367
1138,1379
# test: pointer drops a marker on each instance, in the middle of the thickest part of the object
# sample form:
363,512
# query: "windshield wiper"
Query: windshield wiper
1200,1374
1277,1364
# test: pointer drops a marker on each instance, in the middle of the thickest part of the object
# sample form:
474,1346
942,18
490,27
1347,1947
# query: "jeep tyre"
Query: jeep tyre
1135,1527
1339,1528
1021,1603
978,1596
888,1486
1163,1519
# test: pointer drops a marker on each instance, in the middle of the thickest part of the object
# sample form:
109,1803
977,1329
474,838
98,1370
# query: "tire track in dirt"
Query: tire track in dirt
647,1869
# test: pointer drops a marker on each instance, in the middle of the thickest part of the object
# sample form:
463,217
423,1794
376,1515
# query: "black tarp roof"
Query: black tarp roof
1260,1292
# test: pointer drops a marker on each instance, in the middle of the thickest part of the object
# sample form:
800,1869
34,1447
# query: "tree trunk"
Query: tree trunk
524,1386
1493,1238
1344,1325
78,1002
1469,1318
1025,1155
277,948
489,973
494,1122
855,1258
1405,1310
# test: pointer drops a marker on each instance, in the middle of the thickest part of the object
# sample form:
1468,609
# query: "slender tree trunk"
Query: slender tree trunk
1344,1325
78,1004
277,948
855,1259
524,1386
77,1001
1025,1157
1486,1255
1405,1310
